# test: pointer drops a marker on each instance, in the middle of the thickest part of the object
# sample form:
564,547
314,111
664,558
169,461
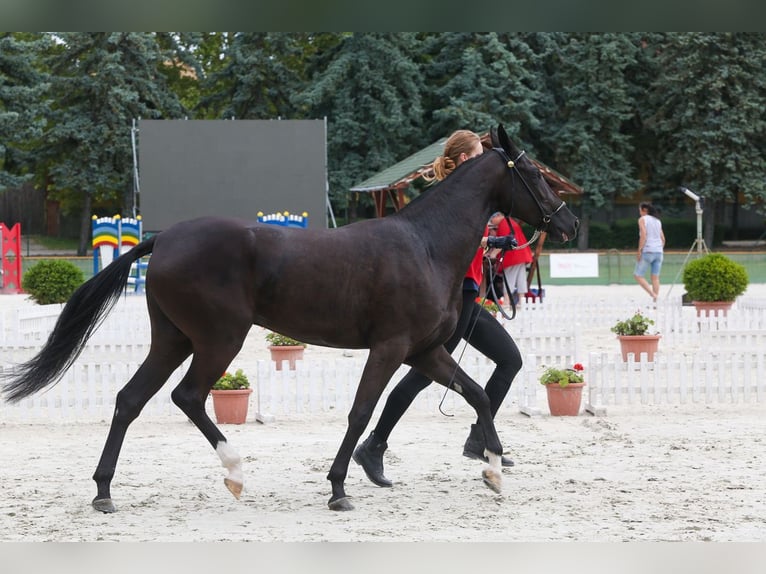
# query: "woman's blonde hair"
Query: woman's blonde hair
461,141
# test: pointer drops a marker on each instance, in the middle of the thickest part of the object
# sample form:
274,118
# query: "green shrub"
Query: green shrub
229,382
625,233
280,340
52,281
638,324
714,277
600,236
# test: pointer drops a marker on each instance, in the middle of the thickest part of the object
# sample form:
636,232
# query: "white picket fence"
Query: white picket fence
89,388
128,321
711,359
87,392
722,377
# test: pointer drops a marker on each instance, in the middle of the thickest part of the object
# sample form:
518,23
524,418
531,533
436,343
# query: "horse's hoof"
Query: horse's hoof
234,487
493,479
104,505
340,504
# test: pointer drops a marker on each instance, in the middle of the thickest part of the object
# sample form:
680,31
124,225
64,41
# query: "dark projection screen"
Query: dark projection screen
189,168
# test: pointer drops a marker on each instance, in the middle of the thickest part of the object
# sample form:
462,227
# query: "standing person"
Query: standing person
651,242
475,324
514,262
493,268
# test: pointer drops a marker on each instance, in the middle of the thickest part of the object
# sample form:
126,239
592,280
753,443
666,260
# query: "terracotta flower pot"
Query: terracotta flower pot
638,344
289,353
230,407
564,401
712,308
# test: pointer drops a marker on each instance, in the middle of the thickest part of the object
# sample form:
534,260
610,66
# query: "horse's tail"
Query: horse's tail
83,313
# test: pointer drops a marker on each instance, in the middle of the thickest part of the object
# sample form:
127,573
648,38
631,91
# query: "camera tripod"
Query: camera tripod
699,244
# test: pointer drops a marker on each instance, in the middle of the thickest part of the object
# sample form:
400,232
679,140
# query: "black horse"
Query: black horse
210,279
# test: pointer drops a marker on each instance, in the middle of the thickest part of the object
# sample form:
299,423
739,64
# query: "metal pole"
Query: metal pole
136,190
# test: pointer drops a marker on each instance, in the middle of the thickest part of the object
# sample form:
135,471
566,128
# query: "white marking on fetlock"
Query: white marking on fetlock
492,473
494,460
231,461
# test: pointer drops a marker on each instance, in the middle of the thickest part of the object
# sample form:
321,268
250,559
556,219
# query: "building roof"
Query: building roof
401,174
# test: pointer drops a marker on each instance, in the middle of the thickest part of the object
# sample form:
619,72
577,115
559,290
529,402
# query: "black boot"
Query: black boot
369,455
474,447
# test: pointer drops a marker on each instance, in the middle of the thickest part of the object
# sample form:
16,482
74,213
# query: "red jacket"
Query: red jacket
475,269
516,256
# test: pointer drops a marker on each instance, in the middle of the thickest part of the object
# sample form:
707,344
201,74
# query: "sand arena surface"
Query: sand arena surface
691,472
646,474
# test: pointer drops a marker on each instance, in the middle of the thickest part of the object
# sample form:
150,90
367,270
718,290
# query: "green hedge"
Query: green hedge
623,234
52,281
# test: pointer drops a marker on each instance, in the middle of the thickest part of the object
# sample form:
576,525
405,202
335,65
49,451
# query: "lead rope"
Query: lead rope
467,337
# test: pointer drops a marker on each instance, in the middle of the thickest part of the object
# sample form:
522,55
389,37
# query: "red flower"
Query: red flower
578,367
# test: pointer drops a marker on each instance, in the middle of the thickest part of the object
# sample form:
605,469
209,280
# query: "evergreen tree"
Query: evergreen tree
100,83
23,104
369,89
262,72
477,80
593,106
709,119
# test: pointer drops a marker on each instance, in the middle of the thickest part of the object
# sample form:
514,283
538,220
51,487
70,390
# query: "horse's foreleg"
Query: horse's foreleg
380,367
442,368
147,380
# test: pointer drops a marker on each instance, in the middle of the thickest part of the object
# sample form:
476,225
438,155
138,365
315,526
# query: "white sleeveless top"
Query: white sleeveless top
653,234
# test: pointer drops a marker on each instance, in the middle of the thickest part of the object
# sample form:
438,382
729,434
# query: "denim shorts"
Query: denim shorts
648,259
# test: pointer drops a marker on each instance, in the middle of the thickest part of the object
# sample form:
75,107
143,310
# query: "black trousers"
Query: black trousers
488,337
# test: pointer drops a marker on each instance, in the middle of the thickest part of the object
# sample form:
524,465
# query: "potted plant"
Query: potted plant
633,334
713,282
284,348
564,389
231,397
490,306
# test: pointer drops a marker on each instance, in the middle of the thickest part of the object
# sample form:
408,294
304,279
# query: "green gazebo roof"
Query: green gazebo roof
405,171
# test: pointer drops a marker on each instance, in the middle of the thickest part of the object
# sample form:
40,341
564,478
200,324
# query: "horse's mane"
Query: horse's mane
434,185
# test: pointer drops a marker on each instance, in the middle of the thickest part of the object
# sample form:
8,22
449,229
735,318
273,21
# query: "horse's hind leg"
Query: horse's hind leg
380,367
190,396
149,378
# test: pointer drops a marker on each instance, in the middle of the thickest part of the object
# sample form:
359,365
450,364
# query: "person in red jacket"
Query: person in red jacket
514,263
475,324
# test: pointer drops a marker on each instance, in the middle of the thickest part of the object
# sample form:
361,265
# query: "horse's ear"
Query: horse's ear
493,137
505,142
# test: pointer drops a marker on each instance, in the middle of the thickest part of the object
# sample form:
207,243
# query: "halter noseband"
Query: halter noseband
511,163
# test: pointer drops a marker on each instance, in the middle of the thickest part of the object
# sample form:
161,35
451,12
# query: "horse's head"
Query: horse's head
533,200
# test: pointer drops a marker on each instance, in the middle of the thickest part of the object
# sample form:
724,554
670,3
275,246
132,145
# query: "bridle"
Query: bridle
546,217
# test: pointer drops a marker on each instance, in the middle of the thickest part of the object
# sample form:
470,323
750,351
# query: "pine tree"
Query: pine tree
23,103
477,80
369,88
593,106
709,119
100,83
262,72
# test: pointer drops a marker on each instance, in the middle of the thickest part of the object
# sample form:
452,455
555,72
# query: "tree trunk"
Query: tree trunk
85,225
128,200
708,227
735,217
582,233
